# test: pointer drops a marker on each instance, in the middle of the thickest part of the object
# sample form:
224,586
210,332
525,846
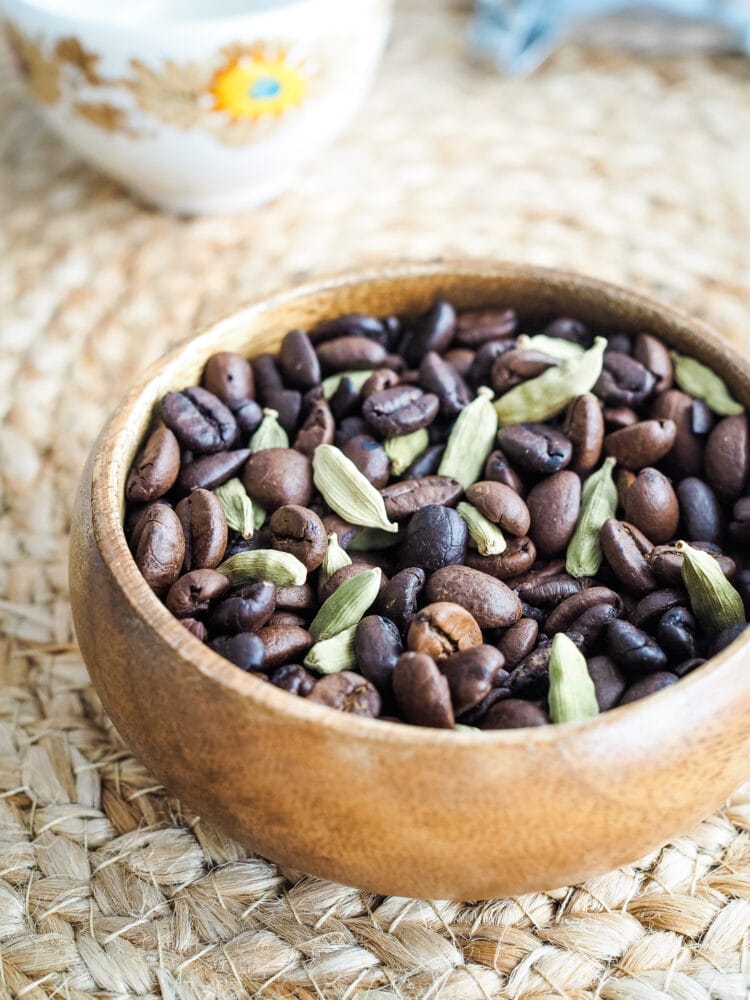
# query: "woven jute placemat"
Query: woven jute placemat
633,170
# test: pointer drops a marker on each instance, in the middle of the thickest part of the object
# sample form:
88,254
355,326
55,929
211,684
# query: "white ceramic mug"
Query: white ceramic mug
198,105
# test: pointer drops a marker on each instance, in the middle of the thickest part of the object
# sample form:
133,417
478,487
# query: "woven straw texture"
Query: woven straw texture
634,170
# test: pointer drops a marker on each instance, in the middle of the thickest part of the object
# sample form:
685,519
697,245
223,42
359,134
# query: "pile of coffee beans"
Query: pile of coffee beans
458,519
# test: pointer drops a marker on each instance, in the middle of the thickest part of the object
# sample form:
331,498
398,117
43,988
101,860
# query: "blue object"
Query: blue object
518,35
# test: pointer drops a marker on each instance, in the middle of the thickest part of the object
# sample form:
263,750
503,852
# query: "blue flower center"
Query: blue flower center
264,88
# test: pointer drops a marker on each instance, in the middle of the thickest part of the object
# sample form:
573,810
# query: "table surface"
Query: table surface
632,170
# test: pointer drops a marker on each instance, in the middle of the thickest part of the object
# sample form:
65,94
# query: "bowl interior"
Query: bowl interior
154,11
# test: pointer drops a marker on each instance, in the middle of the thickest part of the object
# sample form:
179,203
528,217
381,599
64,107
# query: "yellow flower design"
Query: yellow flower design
253,86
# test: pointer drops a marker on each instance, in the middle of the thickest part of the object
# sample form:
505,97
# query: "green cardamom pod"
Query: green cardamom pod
334,559
698,380
553,347
543,397
346,605
346,491
259,515
269,434
237,507
281,568
713,599
487,537
403,450
331,656
358,379
598,503
471,440
572,695
375,539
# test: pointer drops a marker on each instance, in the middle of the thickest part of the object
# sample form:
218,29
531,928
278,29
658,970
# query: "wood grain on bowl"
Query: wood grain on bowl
395,808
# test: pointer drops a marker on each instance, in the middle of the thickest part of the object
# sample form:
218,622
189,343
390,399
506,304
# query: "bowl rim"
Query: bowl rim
109,535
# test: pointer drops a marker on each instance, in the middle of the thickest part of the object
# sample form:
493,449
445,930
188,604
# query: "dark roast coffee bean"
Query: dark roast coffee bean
210,471
626,550
608,681
155,468
267,377
194,592
422,692
702,419
518,641
501,505
624,381
246,650
276,477
666,562
519,556
244,613
535,447
284,644
318,428
462,358
398,600
298,361
571,609
350,354
299,531
591,625
159,546
530,679
651,505
549,591
675,633
294,678
441,629
688,666
350,325
470,675
348,428
439,377
196,628
742,584
634,650
497,469
409,496
288,405
728,457
476,327
492,604
570,329
230,378
619,417
722,639
739,527
347,692
425,464
248,416
400,410
516,365
205,529
648,685
288,618
700,510
686,455
378,645
641,444
650,608
435,536
584,428
480,372
433,332
199,420
475,715
370,458
654,356
513,713
554,504
379,381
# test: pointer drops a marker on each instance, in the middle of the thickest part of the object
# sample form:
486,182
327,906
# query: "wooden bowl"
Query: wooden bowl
387,807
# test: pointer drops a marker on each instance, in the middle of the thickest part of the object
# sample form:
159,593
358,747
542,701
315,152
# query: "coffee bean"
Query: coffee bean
722,639
284,644
554,504
400,410
378,645
433,332
347,692
276,477
626,550
350,325
439,377
651,505
584,428
422,692
675,633
619,417
248,416
210,471
497,469
654,356
742,584
739,527
561,619
688,666
350,354
409,496
399,598
435,536
288,618
624,381
700,510
267,377
634,650
230,378
245,611
650,608
205,529
570,329
702,420
342,575
492,604
425,464
519,556
609,682
548,591
246,650
379,381
288,405
475,715
514,713
194,592
470,675
591,625
501,505
515,365
155,468
462,359
299,531
199,420
686,455
159,546
196,628
478,326
348,428
298,361
530,678
666,562
641,444
518,641
294,678
535,447
648,685
370,458
728,457
318,428
441,629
